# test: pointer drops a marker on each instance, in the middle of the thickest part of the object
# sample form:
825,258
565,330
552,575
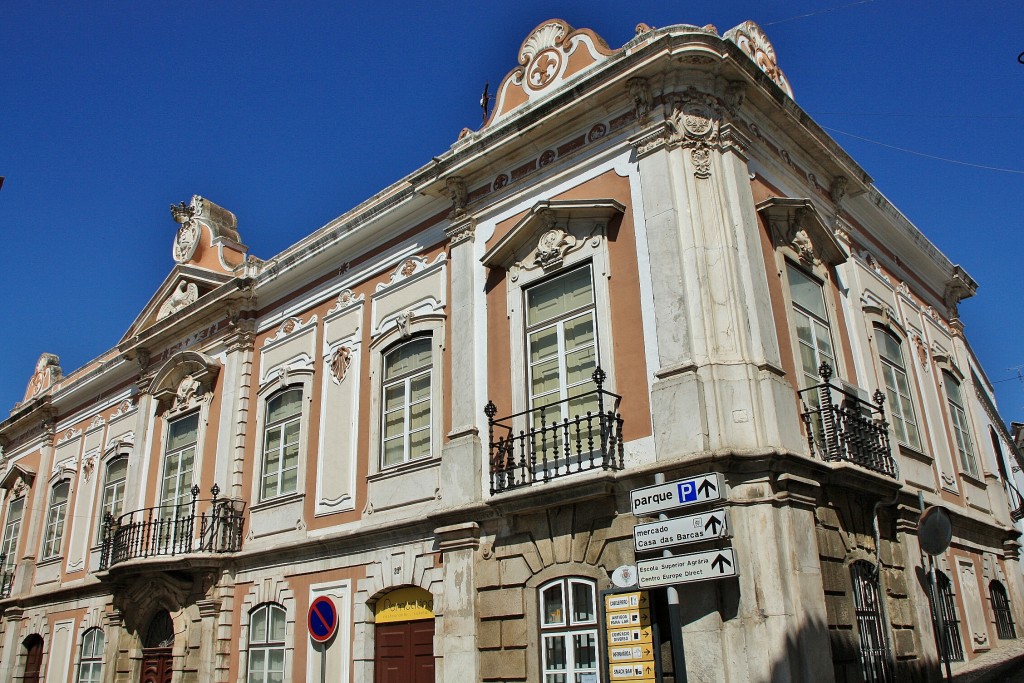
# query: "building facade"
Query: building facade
649,263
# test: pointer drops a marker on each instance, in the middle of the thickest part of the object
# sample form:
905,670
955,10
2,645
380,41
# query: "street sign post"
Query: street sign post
630,651
322,619
705,488
666,571
704,526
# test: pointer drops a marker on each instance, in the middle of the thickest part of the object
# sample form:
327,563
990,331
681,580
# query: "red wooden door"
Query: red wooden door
404,652
156,665
33,658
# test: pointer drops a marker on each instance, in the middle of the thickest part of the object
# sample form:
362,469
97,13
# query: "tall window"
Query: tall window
810,318
958,418
90,661
179,459
897,388
1001,611
12,530
266,644
874,648
562,345
113,491
55,516
281,444
406,392
568,629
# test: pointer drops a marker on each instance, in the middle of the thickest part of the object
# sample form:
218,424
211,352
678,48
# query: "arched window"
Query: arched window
266,644
55,516
281,444
90,658
568,630
12,530
114,480
1001,611
406,403
897,388
952,645
958,419
867,600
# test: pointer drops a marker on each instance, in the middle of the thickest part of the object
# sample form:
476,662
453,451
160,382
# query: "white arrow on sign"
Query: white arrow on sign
675,494
704,526
666,571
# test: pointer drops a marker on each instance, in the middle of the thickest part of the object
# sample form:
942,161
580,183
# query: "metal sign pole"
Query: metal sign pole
674,620
323,662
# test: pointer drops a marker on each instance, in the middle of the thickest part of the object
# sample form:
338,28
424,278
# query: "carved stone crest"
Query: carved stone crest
552,246
187,390
803,246
340,362
694,122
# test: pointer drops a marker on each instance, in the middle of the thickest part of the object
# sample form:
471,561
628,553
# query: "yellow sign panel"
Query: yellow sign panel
629,636
404,604
623,601
641,652
632,672
633,617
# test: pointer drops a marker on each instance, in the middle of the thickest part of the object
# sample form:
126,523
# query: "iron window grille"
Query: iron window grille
952,645
874,645
1001,610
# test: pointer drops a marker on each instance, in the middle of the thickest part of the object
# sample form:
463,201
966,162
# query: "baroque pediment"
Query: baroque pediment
551,230
797,225
183,287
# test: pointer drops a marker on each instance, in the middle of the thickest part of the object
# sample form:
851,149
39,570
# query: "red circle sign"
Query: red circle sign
322,619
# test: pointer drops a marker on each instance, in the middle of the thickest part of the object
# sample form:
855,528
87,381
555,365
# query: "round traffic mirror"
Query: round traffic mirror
935,530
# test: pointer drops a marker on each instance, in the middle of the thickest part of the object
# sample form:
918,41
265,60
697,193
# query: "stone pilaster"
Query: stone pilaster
455,641
462,457
10,624
719,381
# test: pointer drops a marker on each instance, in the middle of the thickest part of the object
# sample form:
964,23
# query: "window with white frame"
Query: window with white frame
958,419
281,444
12,530
179,461
568,630
405,432
561,340
55,516
266,644
897,389
112,502
90,659
810,320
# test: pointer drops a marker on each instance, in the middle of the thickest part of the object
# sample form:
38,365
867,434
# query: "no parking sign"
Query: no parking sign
322,619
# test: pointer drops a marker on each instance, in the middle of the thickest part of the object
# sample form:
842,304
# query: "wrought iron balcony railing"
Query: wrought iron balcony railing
174,530
6,577
1016,502
583,432
841,426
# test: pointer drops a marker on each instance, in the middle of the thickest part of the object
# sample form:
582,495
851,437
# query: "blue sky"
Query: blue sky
291,113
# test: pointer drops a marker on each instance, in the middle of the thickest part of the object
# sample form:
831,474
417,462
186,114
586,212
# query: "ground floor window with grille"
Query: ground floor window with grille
874,645
952,645
1001,610
568,629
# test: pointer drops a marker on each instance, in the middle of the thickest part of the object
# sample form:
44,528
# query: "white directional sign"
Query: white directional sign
703,489
704,526
666,571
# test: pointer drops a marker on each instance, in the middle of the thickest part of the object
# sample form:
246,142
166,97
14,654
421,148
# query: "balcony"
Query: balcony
174,530
842,427
6,577
1016,502
580,433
